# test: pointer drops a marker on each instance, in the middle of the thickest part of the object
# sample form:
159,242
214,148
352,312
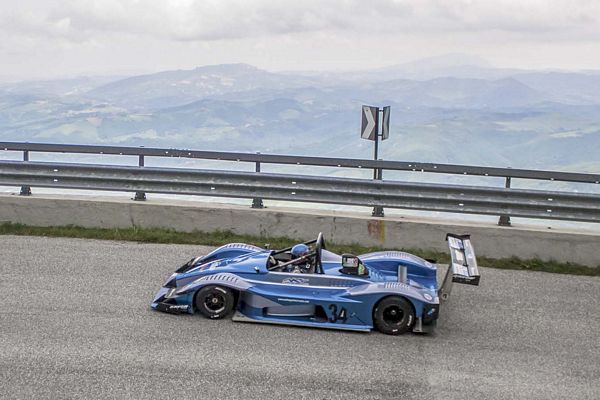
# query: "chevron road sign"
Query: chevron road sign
369,128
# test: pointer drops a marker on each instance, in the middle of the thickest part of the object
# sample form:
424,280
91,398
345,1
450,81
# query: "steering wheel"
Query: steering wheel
319,246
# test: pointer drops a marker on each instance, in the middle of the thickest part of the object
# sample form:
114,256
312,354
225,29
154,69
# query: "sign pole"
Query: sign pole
376,152
377,210
371,120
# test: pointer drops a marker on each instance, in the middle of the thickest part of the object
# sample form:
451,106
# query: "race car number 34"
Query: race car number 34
342,316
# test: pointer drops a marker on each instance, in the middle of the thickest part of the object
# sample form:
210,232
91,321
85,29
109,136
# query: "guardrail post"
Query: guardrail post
25,190
377,210
505,219
257,201
140,196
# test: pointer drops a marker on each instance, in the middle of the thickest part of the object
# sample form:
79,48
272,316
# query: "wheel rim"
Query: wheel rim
214,302
393,315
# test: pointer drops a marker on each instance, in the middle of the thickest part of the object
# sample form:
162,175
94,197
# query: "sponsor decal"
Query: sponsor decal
179,307
293,300
295,281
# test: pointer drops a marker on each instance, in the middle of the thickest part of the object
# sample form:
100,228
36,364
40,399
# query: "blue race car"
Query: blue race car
307,285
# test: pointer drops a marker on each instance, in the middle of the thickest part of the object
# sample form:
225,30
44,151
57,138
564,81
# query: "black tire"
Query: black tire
214,302
393,315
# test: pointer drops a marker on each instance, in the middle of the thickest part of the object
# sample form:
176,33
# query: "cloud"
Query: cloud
210,20
63,37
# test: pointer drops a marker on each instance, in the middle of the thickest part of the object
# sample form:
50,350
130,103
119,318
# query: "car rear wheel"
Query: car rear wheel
393,315
215,301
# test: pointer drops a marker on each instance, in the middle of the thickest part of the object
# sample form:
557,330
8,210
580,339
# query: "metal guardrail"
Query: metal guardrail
258,185
303,160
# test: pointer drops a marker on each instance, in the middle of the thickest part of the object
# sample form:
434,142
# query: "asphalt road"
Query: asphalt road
75,322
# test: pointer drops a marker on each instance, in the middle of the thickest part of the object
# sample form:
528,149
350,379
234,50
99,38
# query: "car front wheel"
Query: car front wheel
393,315
214,302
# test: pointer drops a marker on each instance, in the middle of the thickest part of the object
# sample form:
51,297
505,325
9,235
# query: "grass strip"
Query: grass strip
217,238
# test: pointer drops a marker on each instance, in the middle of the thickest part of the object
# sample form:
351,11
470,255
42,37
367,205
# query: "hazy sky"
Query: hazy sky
49,38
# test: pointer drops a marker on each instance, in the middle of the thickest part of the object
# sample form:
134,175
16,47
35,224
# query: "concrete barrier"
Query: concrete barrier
340,227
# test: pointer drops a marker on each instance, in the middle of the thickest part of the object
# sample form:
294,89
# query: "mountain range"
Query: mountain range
452,109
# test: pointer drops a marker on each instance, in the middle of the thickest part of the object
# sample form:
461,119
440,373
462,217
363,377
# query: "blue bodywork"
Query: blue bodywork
329,299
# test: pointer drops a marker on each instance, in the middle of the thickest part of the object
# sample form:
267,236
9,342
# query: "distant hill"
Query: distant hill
449,109
565,87
173,88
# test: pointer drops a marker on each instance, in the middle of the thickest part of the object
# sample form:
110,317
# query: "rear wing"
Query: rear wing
463,266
